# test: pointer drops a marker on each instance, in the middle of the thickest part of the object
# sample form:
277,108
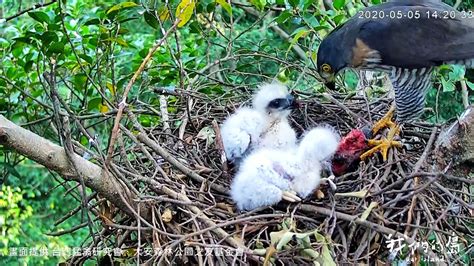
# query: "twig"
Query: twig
123,102
220,148
68,231
464,94
300,52
417,167
373,226
453,196
164,114
347,110
163,153
36,6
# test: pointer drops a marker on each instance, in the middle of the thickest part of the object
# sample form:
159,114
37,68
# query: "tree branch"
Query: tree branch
37,6
296,48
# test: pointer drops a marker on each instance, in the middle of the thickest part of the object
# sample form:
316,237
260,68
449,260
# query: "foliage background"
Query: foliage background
99,45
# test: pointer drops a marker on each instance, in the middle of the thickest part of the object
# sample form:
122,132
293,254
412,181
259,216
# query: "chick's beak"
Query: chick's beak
291,103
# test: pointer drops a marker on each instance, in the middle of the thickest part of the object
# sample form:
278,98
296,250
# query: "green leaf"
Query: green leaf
194,27
457,73
311,20
49,37
338,19
338,4
209,8
376,2
39,16
326,258
121,42
444,67
79,80
283,17
184,12
92,21
259,4
307,4
432,237
94,103
303,239
351,79
225,6
300,32
163,13
10,169
145,120
470,85
143,52
151,20
310,253
28,66
212,90
3,43
57,48
294,3
448,86
127,19
86,58
121,6
284,239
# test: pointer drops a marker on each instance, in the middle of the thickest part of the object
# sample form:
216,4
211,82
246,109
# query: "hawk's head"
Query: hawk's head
331,58
342,48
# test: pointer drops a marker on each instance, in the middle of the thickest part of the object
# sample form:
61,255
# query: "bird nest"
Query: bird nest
400,209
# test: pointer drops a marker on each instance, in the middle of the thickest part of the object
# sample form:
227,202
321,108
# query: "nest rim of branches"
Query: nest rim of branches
403,198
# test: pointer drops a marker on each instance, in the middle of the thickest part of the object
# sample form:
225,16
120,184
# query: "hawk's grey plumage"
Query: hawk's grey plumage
406,39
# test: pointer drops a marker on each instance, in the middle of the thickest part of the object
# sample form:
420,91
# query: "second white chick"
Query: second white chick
265,125
269,175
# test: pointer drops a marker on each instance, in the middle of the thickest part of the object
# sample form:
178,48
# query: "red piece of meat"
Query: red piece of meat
349,150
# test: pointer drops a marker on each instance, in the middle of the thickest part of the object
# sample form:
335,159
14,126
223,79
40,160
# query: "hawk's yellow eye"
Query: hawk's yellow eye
326,68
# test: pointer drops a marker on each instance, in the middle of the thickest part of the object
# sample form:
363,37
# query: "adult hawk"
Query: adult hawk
407,40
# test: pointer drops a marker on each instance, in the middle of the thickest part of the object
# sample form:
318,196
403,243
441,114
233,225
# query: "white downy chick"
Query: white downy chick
316,147
269,175
265,125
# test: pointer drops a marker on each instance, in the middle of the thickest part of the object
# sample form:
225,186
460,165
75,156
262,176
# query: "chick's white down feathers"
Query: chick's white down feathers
267,173
259,126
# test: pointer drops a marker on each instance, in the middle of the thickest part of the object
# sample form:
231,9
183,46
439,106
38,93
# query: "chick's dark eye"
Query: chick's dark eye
275,103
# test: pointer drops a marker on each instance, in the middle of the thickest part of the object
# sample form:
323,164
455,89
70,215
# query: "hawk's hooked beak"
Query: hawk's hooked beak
330,85
329,80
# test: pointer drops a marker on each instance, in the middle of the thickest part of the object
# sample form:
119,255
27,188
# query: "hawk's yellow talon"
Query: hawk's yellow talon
382,145
384,121
385,143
